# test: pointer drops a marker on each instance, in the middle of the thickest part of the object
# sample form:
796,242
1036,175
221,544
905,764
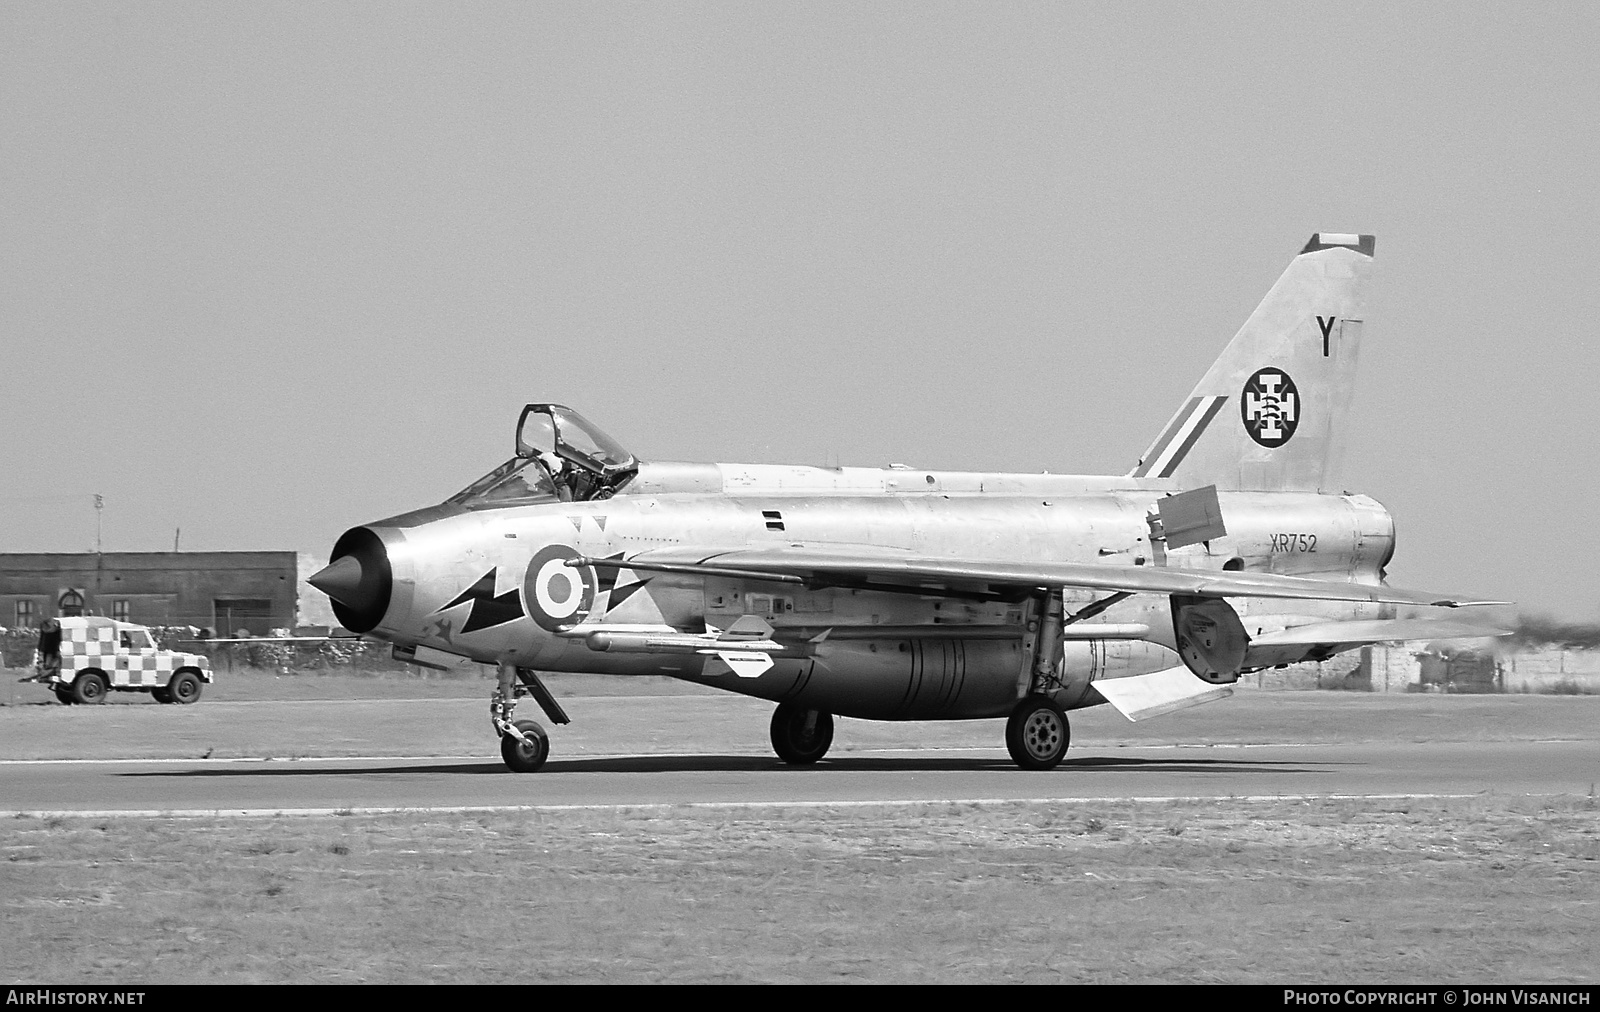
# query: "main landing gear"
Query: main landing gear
523,743
1037,734
801,736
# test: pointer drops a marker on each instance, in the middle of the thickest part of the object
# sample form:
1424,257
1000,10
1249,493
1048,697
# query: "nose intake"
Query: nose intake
358,581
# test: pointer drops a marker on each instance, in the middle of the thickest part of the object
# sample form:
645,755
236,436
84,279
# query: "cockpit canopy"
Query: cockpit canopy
561,457
551,428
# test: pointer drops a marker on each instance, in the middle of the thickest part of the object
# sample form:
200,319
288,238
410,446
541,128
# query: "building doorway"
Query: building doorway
242,617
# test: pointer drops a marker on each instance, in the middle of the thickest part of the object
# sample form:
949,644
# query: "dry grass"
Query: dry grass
1462,891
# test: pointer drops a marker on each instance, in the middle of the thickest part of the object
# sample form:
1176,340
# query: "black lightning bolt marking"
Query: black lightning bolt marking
487,609
621,594
606,576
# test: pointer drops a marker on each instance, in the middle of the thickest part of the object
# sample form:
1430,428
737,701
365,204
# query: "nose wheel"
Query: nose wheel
525,750
1037,734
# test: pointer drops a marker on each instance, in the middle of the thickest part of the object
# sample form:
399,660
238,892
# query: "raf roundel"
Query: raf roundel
555,593
1270,406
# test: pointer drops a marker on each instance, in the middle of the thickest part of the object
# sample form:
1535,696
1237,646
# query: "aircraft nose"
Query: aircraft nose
359,580
341,580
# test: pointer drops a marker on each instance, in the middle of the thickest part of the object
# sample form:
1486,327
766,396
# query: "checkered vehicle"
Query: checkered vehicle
100,654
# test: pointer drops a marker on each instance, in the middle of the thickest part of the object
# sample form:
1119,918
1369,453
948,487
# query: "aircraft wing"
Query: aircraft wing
879,568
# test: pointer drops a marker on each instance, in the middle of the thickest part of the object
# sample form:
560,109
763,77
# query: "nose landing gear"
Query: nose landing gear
524,746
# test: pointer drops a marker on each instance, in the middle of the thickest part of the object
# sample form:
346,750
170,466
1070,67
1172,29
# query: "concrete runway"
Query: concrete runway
1365,769
713,750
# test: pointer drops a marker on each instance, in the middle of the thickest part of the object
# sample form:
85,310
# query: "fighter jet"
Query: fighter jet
907,594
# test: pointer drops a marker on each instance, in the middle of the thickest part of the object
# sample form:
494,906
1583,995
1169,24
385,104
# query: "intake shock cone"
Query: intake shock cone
358,580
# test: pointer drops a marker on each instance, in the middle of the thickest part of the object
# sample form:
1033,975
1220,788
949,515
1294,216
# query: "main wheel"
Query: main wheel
799,735
89,687
525,756
64,693
1037,734
184,687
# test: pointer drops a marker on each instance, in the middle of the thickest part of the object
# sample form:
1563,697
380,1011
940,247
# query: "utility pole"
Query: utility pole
99,557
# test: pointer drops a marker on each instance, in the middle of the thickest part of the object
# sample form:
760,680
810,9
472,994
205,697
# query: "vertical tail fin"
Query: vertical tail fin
1270,412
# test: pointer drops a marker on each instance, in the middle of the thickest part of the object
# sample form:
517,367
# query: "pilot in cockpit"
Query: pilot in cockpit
561,475
571,463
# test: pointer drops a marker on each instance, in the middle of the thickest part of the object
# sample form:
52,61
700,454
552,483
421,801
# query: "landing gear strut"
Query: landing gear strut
523,743
1037,734
801,736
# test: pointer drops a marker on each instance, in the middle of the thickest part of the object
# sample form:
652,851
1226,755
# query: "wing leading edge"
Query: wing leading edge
874,567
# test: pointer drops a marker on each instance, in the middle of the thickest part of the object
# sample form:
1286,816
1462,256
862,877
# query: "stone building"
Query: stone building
230,592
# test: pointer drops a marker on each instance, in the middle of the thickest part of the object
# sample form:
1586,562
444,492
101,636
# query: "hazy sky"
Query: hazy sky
271,270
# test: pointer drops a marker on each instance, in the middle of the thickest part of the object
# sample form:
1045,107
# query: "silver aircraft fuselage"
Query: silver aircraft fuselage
952,652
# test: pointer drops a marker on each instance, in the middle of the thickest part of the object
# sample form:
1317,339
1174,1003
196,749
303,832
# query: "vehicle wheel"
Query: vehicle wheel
1037,734
64,693
184,687
801,736
161,694
89,687
525,756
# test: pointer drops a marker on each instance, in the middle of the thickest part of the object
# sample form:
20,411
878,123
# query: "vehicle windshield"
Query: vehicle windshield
517,482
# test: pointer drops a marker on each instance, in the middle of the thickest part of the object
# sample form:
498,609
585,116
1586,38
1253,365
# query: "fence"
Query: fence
1404,667
334,654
